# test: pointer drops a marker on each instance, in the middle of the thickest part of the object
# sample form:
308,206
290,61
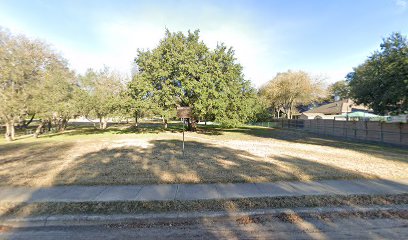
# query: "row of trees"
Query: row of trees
36,82
380,83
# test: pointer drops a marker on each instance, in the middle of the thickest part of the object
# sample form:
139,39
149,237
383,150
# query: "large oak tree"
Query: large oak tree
29,72
381,82
290,89
183,71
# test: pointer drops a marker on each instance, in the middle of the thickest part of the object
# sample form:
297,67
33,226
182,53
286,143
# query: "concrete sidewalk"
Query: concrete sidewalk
186,192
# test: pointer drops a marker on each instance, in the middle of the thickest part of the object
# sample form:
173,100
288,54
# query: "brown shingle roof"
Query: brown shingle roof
339,107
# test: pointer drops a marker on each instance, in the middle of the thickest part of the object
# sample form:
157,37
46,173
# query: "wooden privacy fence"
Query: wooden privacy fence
389,133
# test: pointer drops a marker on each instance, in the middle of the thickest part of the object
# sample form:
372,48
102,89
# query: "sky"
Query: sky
324,38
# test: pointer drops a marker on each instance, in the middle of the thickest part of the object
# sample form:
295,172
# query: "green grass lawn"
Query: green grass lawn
149,154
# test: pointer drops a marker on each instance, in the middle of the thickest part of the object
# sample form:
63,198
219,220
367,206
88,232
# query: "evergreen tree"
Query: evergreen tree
183,71
381,82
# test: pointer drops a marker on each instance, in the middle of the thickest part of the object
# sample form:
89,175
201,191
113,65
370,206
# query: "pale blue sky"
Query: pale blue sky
325,38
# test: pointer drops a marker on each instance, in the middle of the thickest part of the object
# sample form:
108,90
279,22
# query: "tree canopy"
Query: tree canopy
180,71
340,89
183,71
101,95
290,89
381,82
33,79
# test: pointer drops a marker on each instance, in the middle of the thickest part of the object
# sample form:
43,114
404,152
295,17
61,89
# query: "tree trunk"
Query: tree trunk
192,125
64,123
12,130
59,125
9,135
100,123
104,123
290,110
165,123
287,112
189,124
136,123
205,122
49,125
39,129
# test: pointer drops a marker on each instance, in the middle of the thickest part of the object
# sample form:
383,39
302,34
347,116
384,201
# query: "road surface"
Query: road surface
380,226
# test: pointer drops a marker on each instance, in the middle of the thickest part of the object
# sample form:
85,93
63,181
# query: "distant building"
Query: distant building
330,110
306,115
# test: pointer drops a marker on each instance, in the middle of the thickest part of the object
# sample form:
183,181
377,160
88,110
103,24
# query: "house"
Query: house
330,110
306,115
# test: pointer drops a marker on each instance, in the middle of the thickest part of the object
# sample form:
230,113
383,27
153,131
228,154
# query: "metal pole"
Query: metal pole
183,138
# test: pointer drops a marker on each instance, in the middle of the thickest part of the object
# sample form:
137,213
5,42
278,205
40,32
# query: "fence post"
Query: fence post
355,129
381,132
344,129
366,130
400,132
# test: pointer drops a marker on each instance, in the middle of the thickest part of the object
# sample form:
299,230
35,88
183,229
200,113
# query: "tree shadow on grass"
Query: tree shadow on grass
161,161
298,136
212,131
27,163
153,128
134,161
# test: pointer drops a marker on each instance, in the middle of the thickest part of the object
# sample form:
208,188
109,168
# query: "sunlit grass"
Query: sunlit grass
123,154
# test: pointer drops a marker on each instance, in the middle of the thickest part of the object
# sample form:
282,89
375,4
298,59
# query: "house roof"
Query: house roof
339,107
311,114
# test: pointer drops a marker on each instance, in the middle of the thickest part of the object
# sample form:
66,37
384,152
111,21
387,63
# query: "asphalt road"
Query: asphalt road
242,228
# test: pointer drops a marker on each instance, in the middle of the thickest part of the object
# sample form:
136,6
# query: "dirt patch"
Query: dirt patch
289,217
5,229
